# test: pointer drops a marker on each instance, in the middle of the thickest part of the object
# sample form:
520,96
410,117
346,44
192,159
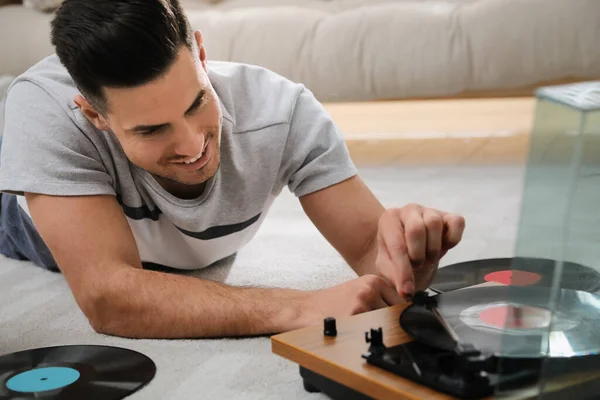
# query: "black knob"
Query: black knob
329,327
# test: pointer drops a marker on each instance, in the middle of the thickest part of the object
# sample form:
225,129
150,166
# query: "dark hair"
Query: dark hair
118,43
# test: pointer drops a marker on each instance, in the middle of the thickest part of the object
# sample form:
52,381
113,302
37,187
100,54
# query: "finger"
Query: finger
425,276
434,225
388,272
391,296
394,254
415,233
384,265
379,303
454,229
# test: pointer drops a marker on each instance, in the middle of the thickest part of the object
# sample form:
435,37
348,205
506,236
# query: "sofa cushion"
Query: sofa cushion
331,6
5,82
42,5
346,50
29,31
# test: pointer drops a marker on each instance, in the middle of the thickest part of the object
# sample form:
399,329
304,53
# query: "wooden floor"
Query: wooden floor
449,132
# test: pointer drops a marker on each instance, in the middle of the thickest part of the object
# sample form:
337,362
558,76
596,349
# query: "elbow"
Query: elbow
101,309
96,308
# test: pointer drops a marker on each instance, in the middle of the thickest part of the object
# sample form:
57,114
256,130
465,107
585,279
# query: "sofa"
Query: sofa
356,50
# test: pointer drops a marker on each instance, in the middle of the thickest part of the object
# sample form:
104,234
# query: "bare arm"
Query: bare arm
96,251
347,214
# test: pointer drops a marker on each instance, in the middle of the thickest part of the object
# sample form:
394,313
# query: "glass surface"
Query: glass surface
560,220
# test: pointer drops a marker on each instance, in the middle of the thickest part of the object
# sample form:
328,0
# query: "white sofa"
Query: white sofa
349,50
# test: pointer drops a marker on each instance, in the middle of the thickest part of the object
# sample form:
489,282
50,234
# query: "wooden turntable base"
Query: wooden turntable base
336,362
339,358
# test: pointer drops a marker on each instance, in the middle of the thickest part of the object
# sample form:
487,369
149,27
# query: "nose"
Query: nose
188,141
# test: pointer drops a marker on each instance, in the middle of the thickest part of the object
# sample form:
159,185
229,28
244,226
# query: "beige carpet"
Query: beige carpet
37,310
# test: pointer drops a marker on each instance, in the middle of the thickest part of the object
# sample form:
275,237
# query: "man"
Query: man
128,150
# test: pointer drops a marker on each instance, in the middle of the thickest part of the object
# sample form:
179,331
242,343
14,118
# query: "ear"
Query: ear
90,112
201,49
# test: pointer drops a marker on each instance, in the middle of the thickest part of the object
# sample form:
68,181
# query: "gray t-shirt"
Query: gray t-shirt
275,135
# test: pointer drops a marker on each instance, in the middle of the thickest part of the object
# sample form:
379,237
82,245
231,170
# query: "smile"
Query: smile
199,161
193,160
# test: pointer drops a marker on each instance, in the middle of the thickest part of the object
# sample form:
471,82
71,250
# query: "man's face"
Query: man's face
170,127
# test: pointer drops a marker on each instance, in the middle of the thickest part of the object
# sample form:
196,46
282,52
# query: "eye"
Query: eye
196,106
151,132
200,102
148,133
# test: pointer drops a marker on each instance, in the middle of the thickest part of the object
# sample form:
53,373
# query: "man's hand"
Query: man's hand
402,245
366,293
410,243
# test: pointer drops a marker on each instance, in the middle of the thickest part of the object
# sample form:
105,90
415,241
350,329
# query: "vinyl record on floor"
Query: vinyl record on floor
74,372
515,271
511,321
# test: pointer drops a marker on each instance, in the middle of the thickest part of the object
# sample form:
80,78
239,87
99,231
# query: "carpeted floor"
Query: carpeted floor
37,310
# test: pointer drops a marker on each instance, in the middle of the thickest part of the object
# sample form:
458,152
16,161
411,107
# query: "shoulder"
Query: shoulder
41,102
253,96
48,145
46,84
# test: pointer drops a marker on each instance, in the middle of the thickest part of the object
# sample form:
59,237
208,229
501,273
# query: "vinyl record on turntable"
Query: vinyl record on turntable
515,271
511,321
74,372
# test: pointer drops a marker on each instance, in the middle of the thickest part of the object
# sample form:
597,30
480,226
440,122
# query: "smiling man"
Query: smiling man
128,150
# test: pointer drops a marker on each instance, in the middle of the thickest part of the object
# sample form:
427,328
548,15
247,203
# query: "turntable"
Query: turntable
481,342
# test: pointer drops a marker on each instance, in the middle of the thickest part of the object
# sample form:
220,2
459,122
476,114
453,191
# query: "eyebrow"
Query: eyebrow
195,103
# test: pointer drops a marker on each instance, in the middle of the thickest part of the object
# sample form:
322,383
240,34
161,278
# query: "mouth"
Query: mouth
193,164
